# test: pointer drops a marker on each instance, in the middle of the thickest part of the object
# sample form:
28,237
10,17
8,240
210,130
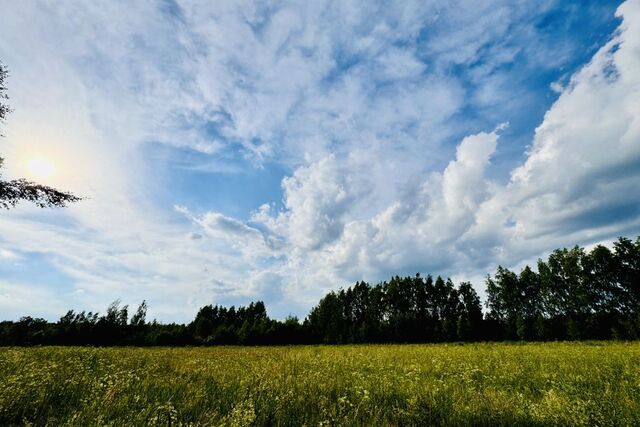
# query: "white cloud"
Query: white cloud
14,297
576,186
358,100
6,254
316,199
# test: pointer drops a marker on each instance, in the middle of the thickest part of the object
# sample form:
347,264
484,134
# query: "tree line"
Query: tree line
575,294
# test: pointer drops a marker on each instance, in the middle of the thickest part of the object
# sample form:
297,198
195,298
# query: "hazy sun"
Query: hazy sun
39,167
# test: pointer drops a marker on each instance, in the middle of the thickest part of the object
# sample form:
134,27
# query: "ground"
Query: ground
595,383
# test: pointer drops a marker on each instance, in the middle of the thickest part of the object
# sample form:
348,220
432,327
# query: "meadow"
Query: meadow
588,383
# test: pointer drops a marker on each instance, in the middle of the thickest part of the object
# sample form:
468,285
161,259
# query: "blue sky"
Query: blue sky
234,151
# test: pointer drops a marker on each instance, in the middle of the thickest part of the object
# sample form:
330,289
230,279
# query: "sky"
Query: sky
234,151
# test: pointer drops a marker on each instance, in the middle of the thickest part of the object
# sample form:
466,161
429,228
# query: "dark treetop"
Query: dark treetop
574,295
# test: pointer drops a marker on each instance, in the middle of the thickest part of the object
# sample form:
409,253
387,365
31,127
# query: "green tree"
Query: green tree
327,320
450,313
139,317
530,322
568,291
470,318
401,309
504,300
627,254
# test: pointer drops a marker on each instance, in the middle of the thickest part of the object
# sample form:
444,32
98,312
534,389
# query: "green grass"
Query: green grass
485,384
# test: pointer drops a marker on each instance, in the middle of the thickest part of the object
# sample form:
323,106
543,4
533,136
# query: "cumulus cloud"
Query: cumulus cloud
316,199
577,181
576,185
410,233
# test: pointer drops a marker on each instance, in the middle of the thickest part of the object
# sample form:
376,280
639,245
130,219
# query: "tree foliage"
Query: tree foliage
4,108
574,294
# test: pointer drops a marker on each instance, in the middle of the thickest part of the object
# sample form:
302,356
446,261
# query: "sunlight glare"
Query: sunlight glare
40,167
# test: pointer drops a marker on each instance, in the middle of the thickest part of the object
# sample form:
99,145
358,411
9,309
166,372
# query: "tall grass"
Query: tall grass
484,384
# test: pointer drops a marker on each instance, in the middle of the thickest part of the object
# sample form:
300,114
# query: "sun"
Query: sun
40,168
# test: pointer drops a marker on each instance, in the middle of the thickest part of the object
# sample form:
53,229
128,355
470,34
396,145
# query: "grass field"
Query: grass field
484,384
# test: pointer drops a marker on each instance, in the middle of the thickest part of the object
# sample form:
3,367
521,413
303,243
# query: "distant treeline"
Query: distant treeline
574,295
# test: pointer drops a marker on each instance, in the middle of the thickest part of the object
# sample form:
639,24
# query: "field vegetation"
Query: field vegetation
587,383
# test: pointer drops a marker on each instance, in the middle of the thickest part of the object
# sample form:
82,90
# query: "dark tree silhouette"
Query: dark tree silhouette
13,191
4,108
575,294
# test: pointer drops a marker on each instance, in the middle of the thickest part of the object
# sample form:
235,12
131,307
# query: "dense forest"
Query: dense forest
575,294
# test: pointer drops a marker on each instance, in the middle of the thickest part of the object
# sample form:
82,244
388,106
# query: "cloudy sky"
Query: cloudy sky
233,150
